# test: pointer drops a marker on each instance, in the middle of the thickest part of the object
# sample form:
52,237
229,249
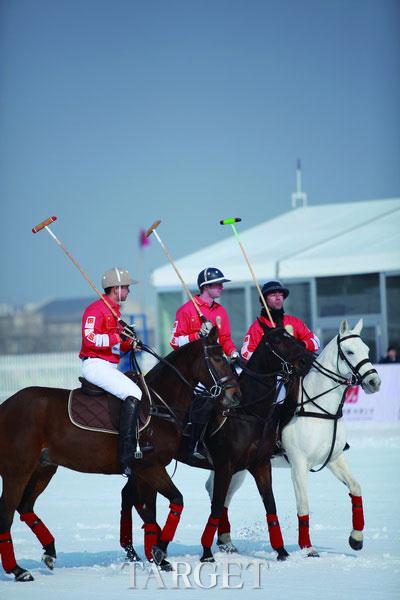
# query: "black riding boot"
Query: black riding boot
196,447
127,434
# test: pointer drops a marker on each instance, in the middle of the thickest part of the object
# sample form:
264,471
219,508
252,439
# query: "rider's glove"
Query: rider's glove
127,332
205,328
234,356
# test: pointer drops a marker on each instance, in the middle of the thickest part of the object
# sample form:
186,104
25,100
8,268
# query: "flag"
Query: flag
143,240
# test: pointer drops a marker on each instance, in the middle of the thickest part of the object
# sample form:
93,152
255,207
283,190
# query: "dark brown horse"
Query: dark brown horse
36,436
246,441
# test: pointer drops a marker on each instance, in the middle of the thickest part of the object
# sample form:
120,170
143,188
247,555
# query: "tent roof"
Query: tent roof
311,241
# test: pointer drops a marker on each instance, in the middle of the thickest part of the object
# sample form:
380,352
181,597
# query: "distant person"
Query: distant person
188,327
391,356
102,339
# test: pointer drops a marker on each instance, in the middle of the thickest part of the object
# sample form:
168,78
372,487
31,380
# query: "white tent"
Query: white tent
311,241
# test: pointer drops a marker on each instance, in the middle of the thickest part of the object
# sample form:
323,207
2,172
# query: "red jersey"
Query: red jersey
100,332
293,325
188,323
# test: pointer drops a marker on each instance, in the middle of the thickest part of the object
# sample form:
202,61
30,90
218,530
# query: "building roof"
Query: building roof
310,241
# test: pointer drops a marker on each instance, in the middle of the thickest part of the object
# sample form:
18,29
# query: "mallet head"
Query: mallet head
230,221
152,228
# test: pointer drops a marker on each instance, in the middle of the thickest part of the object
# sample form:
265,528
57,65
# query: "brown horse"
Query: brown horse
36,436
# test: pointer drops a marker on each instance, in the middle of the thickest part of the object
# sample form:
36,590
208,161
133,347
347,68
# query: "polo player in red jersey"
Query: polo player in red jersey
189,327
275,294
102,339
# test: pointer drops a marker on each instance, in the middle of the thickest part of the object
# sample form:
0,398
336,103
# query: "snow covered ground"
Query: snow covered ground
82,511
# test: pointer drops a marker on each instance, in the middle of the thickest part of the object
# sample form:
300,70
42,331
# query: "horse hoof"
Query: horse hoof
158,555
166,566
131,554
282,554
229,548
207,555
355,544
49,561
21,574
207,559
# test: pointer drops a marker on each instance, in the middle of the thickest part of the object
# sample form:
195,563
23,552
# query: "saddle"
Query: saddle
90,407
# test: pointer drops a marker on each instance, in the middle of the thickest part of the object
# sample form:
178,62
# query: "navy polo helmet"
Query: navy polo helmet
210,275
274,286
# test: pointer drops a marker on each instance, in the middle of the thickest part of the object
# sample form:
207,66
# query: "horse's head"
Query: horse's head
353,358
285,353
213,370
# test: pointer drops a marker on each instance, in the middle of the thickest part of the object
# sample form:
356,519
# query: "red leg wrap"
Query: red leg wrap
151,533
125,528
170,526
224,525
358,513
274,530
39,529
304,528
7,552
208,534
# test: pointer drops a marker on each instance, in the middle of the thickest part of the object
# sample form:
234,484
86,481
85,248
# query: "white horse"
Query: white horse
316,434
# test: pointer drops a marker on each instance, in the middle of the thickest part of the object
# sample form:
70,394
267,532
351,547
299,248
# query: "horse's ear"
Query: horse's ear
344,326
358,327
213,335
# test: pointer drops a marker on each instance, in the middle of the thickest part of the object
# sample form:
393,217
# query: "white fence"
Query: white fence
60,369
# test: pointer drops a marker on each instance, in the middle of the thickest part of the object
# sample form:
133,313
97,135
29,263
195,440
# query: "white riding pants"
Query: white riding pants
106,375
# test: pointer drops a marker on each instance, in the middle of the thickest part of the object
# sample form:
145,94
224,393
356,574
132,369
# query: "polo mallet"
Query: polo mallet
151,230
232,221
45,225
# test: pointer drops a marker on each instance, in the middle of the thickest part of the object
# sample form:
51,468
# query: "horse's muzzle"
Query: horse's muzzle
231,400
372,383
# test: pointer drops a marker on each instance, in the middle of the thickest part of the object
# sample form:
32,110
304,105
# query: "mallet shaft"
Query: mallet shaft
45,225
235,231
151,230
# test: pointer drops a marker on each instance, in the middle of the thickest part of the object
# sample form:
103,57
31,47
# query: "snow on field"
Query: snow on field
82,511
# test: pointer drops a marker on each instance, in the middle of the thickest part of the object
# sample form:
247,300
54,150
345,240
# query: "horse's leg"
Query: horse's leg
14,483
222,479
224,541
158,479
140,495
262,474
341,470
299,474
36,485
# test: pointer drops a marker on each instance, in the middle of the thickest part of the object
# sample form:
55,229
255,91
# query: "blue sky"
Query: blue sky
114,114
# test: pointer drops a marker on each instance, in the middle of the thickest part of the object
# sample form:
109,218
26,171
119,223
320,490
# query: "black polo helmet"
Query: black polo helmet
274,286
210,275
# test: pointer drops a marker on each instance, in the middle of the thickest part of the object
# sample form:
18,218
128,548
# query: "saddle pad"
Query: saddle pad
100,413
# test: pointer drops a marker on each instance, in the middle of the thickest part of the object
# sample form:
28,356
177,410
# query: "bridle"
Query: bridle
356,379
219,385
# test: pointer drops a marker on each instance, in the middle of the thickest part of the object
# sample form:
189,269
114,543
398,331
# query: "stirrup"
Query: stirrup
197,453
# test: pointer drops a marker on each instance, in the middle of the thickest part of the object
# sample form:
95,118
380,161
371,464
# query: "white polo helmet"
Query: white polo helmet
116,277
